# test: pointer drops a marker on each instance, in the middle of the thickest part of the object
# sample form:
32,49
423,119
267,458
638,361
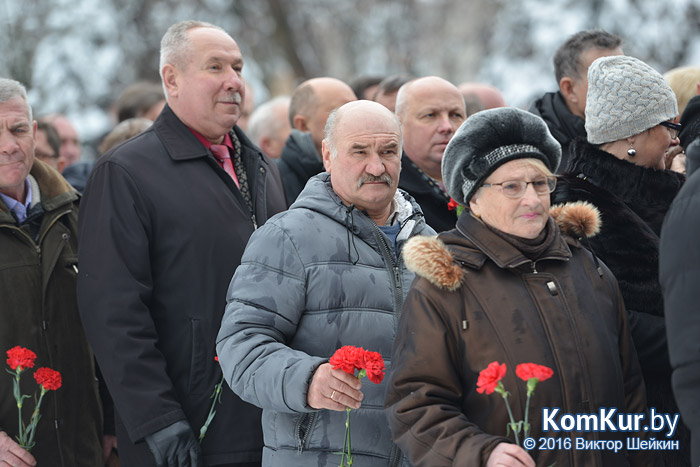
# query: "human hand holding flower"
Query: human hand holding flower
343,387
345,361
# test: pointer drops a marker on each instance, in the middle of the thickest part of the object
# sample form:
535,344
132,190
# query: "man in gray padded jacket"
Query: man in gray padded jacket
325,274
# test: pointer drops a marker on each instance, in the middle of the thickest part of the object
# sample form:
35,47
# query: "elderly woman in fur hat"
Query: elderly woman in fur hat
621,169
506,285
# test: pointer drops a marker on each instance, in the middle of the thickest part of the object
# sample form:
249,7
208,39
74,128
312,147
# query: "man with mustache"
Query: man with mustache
164,222
324,274
430,109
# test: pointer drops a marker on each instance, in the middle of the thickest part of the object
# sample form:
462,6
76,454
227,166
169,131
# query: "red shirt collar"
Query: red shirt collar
207,144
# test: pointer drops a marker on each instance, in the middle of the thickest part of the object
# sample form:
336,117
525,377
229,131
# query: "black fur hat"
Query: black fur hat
489,139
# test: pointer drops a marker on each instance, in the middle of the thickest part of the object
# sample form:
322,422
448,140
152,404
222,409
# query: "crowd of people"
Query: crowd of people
191,284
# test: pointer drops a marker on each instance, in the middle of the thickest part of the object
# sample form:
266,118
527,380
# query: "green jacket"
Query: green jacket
38,310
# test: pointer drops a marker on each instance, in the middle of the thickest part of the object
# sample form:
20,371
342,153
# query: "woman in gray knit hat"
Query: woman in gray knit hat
507,286
621,170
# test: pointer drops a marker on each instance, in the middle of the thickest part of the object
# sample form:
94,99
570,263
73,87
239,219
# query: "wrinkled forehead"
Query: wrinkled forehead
15,110
208,42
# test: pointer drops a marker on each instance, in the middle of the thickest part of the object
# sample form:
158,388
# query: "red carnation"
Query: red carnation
452,205
49,379
374,366
489,377
525,371
348,358
20,357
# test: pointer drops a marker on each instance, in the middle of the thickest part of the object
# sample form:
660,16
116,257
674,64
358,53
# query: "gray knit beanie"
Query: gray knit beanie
625,97
489,139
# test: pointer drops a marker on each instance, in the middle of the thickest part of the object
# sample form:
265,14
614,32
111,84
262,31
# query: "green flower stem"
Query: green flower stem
216,396
33,421
514,426
526,424
21,435
531,384
347,410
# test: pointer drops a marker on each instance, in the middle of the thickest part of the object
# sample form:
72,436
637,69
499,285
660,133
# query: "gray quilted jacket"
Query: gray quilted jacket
305,288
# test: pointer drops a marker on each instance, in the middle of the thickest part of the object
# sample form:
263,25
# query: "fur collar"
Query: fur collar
49,187
431,258
634,184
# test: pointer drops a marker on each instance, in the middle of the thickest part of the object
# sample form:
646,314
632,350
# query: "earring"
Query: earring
631,151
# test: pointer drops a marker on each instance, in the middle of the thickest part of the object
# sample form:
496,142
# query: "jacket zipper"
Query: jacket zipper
396,456
37,248
396,273
302,440
533,264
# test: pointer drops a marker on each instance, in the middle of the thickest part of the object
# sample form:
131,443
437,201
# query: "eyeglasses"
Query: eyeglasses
516,188
673,128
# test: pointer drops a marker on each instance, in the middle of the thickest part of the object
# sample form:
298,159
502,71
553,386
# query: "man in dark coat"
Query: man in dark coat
430,109
163,229
38,304
679,275
564,111
312,102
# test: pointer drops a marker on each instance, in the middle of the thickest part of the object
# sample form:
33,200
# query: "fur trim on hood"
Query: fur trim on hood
429,257
577,219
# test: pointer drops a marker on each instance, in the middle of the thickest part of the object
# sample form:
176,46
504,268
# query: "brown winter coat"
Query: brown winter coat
477,300
39,311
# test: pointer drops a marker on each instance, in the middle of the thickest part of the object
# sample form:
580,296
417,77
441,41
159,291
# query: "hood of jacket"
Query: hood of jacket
318,196
471,244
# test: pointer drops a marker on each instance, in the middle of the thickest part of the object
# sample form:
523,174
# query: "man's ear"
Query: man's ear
265,144
326,152
170,80
300,123
566,86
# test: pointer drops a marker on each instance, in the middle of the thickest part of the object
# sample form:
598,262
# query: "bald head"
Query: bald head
362,152
486,95
312,102
364,110
430,109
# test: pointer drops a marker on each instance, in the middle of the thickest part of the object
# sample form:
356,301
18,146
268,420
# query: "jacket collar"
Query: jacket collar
564,125
318,195
56,192
301,156
180,143
604,170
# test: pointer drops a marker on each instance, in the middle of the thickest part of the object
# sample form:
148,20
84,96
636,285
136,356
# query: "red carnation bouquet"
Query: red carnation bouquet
371,364
490,381
19,359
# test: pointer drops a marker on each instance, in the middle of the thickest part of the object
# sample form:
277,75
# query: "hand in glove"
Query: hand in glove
175,446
